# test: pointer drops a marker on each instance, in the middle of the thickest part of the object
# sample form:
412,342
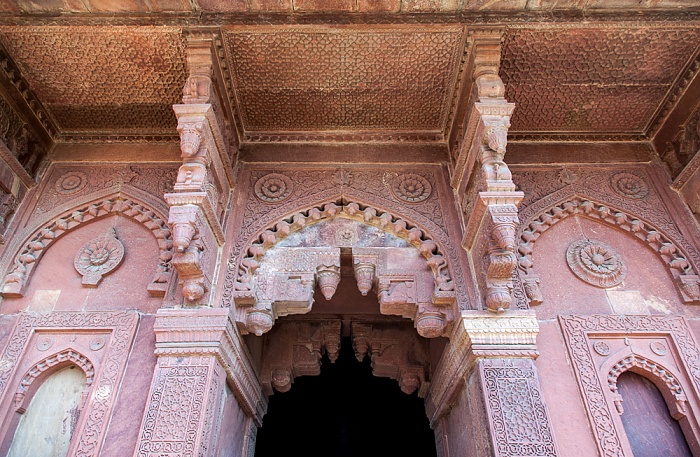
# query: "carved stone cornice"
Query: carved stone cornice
210,332
479,335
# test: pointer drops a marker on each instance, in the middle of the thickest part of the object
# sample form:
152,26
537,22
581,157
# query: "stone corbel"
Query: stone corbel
365,268
689,287
395,354
295,349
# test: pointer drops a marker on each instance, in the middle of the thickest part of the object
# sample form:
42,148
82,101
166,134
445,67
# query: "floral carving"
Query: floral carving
601,347
629,185
71,183
411,188
99,257
596,263
274,187
520,425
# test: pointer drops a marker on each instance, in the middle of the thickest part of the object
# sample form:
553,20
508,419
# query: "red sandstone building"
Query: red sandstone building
218,216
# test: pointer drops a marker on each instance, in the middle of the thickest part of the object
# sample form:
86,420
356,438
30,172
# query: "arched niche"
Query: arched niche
47,406
25,253
398,260
544,215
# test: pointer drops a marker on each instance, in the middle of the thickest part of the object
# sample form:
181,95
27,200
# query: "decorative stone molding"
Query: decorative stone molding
395,353
295,349
200,195
8,205
674,256
99,257
70,333
29,253
604,346
596,263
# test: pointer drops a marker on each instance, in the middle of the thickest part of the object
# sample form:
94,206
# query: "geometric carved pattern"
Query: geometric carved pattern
296,79
519,421
597,79
31,252
596,263
121,78
578,331
180,394
122,326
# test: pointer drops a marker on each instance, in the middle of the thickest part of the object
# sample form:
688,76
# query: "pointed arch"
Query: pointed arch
127,201
430,249
52,363
674,256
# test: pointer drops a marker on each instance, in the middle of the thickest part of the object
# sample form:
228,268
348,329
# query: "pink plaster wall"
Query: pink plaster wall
124,427
561,394
565,293
125,288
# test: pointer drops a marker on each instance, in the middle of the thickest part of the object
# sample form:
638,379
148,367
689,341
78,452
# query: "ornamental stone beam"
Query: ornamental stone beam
199,352
495,354
494,212
204,181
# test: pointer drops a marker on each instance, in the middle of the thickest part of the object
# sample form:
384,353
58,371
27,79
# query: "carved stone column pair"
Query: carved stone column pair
199,352
491,359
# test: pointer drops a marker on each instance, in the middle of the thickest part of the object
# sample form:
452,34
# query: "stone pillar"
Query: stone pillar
492,356
199,351
495,211
204,181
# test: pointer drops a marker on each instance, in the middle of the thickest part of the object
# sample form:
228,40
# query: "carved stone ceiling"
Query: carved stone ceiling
319,79
593,79
102,79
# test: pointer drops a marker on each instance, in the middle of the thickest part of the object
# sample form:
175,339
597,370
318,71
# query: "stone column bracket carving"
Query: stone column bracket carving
689,287
395,354
365,268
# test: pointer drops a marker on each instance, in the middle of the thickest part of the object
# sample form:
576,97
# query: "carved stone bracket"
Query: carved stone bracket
200,196
285,281
395,353
199,351
295,349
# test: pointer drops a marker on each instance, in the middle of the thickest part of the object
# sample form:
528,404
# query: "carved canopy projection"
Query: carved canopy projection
597,79
297,81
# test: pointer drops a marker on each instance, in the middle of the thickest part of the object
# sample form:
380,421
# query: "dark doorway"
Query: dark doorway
651,430
345,412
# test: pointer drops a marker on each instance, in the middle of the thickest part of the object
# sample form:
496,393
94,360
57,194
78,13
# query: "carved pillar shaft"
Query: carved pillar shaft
493,355
198,350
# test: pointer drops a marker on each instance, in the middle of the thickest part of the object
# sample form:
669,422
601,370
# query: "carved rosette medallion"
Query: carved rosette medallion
411,188
273,188
601,348
99,257
71,183
629,185
658,348
596,263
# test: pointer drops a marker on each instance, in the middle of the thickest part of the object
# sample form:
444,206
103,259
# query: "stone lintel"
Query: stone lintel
203,332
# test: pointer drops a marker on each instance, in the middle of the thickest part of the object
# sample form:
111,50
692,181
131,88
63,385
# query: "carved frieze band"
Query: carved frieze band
29,254
107,344
660,347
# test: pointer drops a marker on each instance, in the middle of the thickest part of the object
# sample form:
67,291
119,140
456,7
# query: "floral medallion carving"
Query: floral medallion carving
99,257
629,185
71,183
658,348
411,188
596,263
601,348
273,187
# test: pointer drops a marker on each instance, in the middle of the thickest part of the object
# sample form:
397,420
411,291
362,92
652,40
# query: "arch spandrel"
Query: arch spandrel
429,301
22,257
678,260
